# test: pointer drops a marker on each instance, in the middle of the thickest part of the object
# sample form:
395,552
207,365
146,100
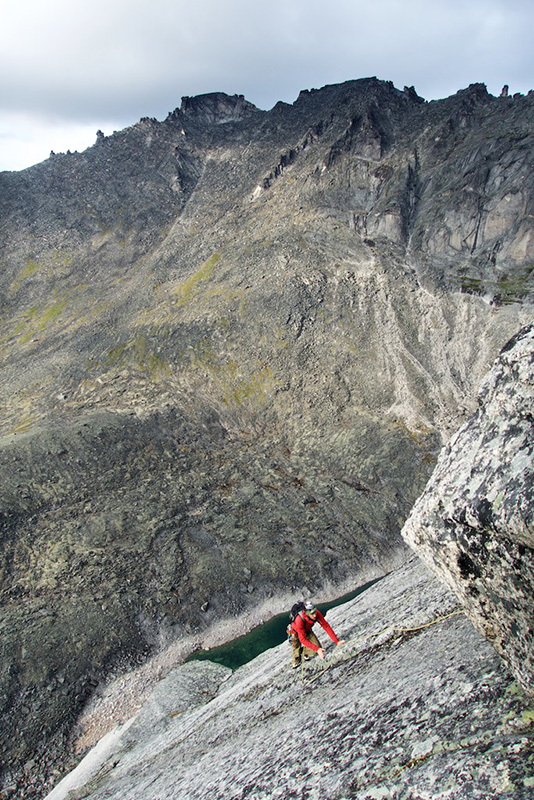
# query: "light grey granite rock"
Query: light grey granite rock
416,704
474,523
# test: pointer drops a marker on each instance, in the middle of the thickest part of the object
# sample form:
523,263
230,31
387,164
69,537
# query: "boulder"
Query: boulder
473,524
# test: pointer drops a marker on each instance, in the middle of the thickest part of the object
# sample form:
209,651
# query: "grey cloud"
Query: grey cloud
120,60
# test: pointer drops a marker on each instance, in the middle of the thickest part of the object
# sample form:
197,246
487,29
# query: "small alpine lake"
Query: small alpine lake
243,649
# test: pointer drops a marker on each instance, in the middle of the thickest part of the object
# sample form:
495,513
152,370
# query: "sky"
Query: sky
71,67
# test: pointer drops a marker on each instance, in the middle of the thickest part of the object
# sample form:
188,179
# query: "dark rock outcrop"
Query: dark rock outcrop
217,107
474,523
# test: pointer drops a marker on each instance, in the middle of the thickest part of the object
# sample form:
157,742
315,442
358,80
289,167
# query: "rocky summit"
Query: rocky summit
233,344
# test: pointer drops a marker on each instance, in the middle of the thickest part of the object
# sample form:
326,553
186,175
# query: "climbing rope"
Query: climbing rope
394,631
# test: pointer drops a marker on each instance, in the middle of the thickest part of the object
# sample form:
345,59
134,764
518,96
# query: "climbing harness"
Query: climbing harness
392,630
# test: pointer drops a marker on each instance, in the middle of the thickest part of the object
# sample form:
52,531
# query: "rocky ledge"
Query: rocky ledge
416,704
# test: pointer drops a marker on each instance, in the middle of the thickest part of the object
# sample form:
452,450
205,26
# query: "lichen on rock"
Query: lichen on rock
415,704
474,523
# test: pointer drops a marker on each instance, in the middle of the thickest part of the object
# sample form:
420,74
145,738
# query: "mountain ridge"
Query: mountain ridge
226,341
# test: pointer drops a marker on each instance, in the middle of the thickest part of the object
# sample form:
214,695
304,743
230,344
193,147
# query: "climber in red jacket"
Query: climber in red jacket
305,643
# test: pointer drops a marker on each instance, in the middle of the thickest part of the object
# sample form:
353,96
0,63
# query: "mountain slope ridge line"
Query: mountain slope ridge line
184,441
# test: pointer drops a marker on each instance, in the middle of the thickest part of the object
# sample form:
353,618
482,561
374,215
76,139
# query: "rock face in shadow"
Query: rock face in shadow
232,345
474,523
415,704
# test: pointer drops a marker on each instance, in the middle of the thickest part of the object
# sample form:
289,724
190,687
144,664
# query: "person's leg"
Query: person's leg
296,652
306,651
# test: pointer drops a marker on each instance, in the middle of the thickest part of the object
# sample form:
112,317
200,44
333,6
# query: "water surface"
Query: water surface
243,649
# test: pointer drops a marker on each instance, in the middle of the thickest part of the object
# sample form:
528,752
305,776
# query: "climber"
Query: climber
305,644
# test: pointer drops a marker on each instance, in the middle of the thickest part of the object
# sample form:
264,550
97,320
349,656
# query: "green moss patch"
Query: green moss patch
508,288
187,289
137,354
513,288
471,285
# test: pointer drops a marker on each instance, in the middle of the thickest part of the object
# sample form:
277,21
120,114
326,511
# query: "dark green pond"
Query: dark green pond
243,649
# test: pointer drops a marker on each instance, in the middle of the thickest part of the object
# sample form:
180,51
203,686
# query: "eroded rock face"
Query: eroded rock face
474,523
217,107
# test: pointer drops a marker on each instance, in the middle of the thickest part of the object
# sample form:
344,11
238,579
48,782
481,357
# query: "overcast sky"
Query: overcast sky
71,67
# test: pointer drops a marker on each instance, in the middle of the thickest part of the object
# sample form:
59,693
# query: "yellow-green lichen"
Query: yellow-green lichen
24,425
30,268
223,294
36,320
203,355
251,388
235,384
55,263
185,290
137,354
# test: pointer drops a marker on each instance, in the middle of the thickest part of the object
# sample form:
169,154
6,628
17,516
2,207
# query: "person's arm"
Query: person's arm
324,624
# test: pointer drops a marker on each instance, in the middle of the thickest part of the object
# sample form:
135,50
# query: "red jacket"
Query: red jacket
303,625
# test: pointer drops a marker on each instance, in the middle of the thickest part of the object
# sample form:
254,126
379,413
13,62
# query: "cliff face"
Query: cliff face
474,522
415,704
232,335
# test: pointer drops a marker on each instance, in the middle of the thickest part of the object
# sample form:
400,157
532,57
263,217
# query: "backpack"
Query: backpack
295,611
293,614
